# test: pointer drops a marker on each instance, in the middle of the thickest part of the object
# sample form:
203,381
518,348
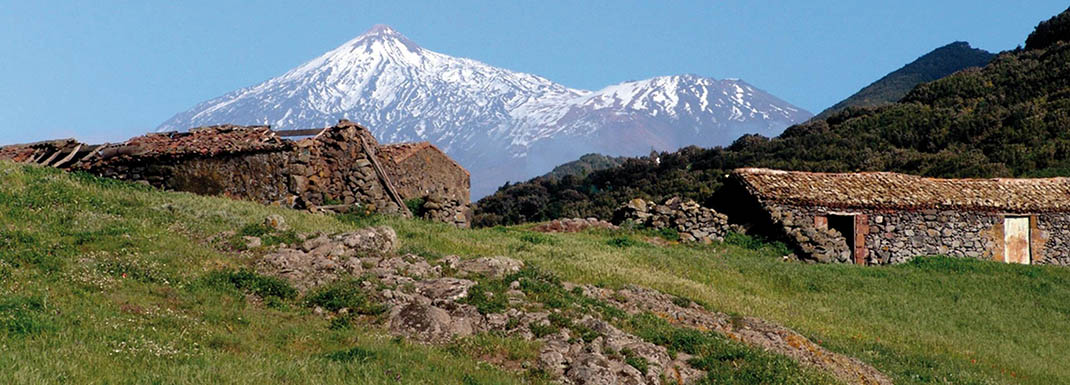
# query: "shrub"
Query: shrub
267,235
542,330
249,281
622,242
416,206
357,354
344,294
21,316
488,297
537,238
635,361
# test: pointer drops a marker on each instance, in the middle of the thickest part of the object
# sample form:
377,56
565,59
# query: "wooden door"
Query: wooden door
1016,240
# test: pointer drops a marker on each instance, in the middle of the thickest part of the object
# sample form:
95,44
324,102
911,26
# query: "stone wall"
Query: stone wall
694,222
1056,227
438,208
896,236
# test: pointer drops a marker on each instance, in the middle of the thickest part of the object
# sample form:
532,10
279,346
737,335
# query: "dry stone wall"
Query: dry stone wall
450,210
1056,228
694,222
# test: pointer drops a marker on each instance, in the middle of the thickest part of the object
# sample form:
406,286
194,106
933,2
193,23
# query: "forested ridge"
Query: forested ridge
1009,118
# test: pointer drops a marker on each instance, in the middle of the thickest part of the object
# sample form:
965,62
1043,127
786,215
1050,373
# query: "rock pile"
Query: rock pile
443,209
449,298
573,225
694,222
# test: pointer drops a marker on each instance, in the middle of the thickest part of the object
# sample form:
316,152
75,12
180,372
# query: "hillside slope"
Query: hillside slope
117,283
1008,118
934,65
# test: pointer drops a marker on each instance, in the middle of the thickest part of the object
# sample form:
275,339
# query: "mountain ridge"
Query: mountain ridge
500,124
934,65
1006,119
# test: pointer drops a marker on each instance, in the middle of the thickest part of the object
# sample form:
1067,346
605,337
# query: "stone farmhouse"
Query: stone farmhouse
882,217
338,167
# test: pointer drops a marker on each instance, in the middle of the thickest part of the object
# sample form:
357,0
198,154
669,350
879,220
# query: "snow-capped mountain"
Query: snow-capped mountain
501,125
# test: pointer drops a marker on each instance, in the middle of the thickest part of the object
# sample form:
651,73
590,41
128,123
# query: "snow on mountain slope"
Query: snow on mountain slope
501,125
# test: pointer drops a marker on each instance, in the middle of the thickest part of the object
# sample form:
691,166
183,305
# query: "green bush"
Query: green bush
622,242
416,206
537,238
21,316
357,354
267,235
635,361
251,282
344,294
488,296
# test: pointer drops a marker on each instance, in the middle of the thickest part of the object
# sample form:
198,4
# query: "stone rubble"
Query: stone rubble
694,222
426,303
573,225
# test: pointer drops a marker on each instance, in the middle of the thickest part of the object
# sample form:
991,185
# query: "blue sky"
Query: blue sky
108,70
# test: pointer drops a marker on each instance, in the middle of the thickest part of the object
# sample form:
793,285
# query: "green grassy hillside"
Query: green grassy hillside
107,282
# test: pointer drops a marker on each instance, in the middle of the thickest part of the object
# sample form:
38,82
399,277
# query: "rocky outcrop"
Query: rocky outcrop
321,259
444,300
694,222
573,225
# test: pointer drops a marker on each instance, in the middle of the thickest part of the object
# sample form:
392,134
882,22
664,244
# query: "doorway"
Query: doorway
1016,240
845,224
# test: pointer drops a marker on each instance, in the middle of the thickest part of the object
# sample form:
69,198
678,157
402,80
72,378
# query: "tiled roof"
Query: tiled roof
205,141
886,190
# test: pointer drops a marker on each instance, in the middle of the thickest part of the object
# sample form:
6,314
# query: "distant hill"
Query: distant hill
1008,118
934,65
585,165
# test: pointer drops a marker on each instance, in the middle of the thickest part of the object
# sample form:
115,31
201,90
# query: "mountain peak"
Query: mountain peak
501,125
381,30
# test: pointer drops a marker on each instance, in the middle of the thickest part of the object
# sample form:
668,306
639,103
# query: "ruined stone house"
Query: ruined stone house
335,167
883,217
445,195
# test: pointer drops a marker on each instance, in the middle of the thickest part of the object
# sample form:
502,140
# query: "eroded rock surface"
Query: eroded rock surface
578,346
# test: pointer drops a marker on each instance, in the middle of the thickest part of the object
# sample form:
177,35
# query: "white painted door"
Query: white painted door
1016,240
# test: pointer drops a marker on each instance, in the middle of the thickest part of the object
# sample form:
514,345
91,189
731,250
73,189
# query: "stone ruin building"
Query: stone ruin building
445,196
337,168
883,217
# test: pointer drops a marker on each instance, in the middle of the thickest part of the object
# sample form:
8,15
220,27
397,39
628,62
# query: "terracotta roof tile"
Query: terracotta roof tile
900,191
205,141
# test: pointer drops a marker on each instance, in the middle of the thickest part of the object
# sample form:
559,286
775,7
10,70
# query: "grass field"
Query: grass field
104,282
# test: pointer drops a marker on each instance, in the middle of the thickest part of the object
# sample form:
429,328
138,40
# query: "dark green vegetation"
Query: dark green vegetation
934,65
1050,32
111,283
585,165
1008,118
